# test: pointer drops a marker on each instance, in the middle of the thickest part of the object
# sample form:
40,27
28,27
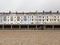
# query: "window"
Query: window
32,23
21,20
39,16
54,16
50,19
36,19
15,17
58,16
47,19
32,19
57,19
43,19
32,16
25,18
43,16
18,18
11,18
0,18
47,16
54,19
39,19
28,16
4,18
8,19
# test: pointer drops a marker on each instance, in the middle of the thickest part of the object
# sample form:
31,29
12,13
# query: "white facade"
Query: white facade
32,19
29,18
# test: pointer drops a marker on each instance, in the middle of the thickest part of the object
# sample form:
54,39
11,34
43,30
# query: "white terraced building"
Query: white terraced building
52,19
29,18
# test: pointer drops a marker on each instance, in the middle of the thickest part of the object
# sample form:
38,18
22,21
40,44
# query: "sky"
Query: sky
29,5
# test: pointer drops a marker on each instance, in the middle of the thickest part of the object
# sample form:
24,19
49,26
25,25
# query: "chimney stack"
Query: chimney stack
9,12
57,11
43,12
50,11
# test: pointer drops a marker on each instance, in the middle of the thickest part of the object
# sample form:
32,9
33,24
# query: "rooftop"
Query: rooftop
43,12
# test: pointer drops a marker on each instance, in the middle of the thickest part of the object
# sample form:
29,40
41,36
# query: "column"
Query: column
19,27
52,26
28,26
44,27
11,26
36,27
2,26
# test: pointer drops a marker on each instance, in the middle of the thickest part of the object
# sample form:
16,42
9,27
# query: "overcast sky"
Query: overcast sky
29,5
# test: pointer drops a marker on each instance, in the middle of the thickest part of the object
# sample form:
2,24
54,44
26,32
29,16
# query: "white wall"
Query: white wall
29,19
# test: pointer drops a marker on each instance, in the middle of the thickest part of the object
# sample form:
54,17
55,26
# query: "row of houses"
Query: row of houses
32,18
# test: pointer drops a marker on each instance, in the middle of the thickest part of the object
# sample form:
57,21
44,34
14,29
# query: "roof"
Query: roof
50,12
